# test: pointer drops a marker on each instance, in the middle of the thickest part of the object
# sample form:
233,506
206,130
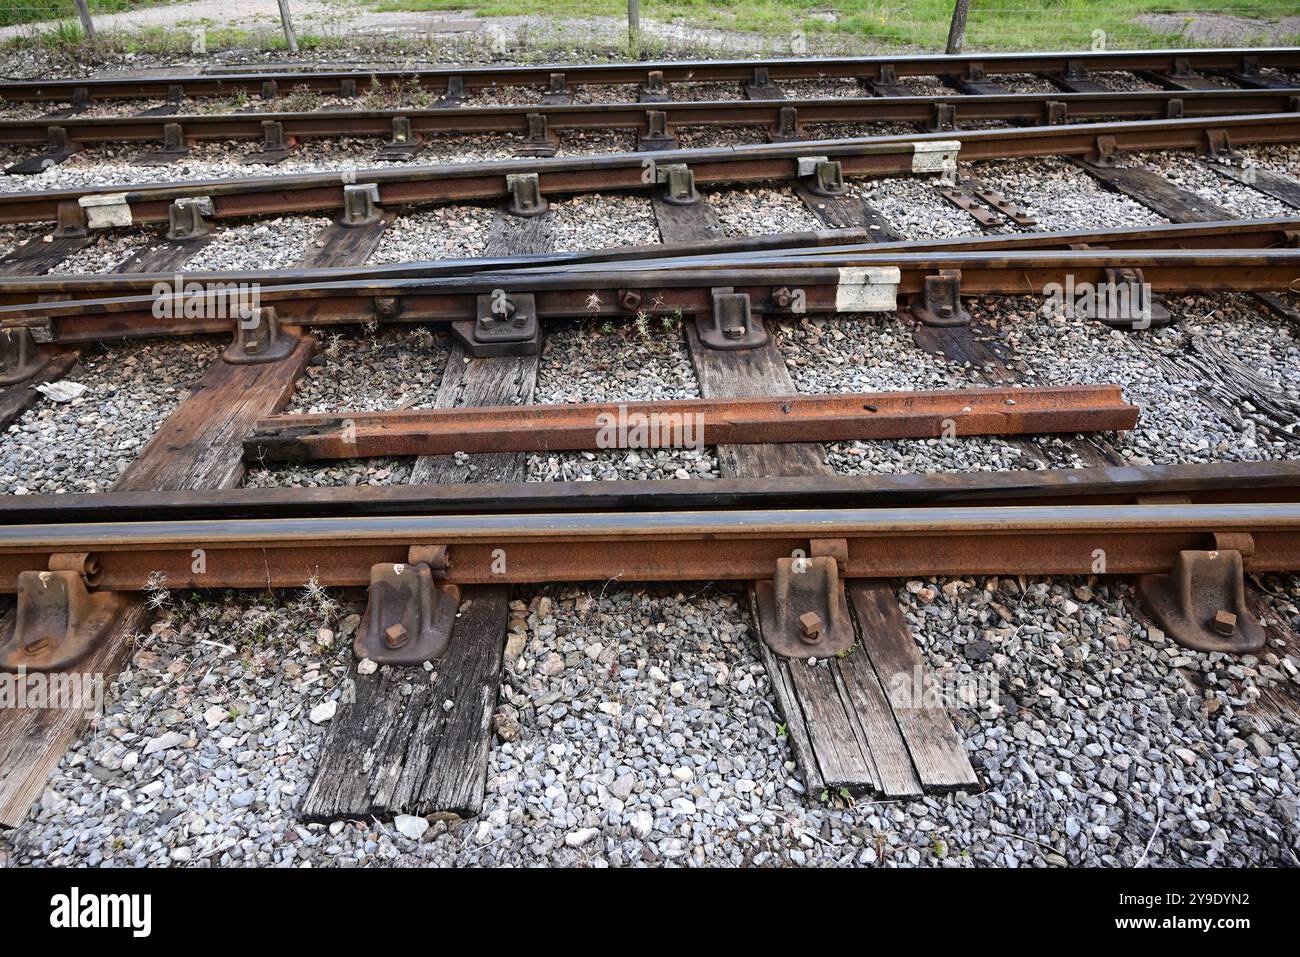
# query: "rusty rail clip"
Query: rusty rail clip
1201,604
802,610
59,621
410,612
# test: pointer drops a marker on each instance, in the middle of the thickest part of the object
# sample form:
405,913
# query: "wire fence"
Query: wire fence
813,25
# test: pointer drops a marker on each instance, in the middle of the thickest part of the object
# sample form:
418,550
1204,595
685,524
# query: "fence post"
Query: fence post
634,24
290,37
87,24
957,32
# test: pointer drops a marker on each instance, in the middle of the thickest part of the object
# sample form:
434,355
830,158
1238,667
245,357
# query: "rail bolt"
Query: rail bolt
395,636
1224,622
812,626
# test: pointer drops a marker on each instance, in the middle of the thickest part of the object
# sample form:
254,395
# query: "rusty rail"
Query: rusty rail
1220,483
866,282
672,546
1264,233
538,122
1065,69
864,157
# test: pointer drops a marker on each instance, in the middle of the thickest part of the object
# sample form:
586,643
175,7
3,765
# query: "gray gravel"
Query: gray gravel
83,445
262,244
595,220
442,232
752,212
106,251
1198,176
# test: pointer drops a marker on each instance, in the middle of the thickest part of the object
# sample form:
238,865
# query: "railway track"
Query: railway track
1176,69
814,547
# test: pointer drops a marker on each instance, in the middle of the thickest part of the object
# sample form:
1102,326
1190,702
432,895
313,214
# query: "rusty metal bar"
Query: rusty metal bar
1027,108
870,156
952,414
440,79
1220,483
671,546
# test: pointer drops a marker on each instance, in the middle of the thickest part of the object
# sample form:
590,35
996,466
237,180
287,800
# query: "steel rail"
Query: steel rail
469,182
830,284
1060,66
664,546
1220,483
1263,233
692,422
765,114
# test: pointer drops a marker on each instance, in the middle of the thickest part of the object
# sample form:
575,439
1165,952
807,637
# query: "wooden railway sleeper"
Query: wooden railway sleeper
731,325
803,610
410,611
59,620
1201,603
58,147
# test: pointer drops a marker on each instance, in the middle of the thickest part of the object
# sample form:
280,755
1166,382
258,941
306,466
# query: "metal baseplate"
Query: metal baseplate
939,303
1201,603
185,218
275,146
410,611
59,620
731,325
175,148
57,149
506,326
526,198
657,135
822,176
1125,301
803,611
259,338
404,143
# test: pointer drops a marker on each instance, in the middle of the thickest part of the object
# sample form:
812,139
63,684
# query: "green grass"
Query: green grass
992,24
30,11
